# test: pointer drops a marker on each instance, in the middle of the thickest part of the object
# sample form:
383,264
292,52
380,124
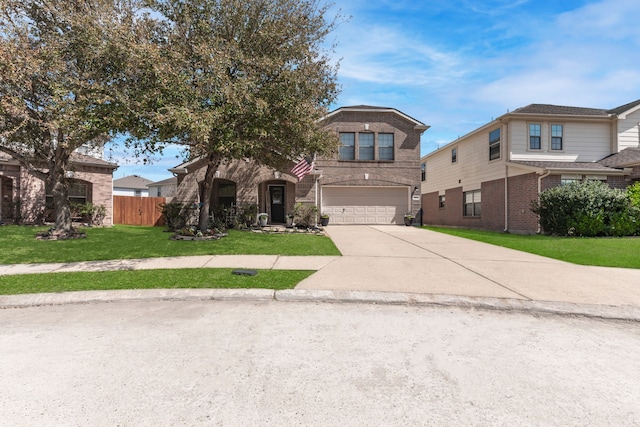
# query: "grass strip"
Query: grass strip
600,251
150,279
19,246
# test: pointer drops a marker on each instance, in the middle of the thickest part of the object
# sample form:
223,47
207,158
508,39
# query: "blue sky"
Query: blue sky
457,64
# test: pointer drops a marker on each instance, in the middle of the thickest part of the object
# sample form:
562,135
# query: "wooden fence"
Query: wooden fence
131,210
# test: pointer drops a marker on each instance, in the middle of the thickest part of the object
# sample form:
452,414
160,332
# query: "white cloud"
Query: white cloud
388,57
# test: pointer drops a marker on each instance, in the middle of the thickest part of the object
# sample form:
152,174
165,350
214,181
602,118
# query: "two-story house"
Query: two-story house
489,177
373,179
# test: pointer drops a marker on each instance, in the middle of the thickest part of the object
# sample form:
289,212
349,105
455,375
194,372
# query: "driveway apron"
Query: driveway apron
411,259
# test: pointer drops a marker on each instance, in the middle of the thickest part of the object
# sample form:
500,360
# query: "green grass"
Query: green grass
149,279
18,245
605,252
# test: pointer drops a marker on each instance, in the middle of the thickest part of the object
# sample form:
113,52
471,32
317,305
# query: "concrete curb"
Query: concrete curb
95,297
626,313
629,313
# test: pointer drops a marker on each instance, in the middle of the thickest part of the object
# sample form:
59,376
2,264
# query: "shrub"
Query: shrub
633,191
588,208
305,215
88,212
246,215
175,215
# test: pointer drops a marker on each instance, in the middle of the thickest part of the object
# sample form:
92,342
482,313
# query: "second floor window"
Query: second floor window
423,171
494,144
385,146
556,137
454,155
365,146
347,146
534,137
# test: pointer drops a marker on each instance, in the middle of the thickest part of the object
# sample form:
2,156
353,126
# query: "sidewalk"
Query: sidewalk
261,262
392,265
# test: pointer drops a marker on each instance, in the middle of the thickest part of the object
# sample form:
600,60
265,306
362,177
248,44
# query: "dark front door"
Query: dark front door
276,196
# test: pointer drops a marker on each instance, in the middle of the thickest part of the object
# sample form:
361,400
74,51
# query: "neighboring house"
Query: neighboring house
165,188
25,199
374,179
489,177
132,185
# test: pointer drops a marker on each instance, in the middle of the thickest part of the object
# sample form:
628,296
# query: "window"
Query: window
534,137
472,201
347,146
77,192
568,179
385,146
137,193
365,146
441,201
226,193
423,171
494,144
556,137
454,155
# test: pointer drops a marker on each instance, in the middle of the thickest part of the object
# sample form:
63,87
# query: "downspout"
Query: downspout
540,178
317,191
506,179
506,198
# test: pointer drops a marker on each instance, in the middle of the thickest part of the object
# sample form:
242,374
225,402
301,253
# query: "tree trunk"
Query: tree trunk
213,164
60,192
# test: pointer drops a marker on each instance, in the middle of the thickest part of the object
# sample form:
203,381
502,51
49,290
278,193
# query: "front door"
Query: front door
276,196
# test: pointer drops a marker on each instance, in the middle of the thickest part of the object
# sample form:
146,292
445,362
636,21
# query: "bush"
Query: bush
633,191
247,215
175,215
588,208
88,212
305,216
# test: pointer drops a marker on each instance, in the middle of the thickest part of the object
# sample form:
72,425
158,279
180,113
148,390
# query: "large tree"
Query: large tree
61,69
237,79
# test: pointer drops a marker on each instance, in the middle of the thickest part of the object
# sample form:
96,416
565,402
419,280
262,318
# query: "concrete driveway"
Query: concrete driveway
410,259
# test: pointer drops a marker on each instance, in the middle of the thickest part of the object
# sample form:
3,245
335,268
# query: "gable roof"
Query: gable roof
76,158
576,111
169,181
132,181
625,108
561,110
625,158
83,159
569,167
370,108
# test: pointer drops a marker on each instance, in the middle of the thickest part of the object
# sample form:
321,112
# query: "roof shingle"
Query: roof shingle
560,109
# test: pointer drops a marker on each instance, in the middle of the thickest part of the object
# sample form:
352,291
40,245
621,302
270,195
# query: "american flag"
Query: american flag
303,167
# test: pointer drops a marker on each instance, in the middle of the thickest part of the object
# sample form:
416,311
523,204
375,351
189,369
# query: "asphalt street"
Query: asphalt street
168,363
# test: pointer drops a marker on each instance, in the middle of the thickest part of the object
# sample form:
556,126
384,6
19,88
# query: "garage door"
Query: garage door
365,205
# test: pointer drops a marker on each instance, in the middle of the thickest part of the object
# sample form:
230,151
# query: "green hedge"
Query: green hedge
589,208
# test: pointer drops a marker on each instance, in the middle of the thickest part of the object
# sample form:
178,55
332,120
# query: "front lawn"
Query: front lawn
149,279
19,246
605,252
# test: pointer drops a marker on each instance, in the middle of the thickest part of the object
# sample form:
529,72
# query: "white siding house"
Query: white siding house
133,185
489,177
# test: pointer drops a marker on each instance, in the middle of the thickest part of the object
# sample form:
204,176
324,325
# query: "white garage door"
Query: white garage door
365,205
